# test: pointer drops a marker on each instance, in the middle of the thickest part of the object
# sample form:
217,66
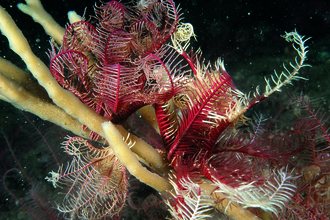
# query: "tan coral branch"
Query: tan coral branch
131,162
35,9
24,100
64,98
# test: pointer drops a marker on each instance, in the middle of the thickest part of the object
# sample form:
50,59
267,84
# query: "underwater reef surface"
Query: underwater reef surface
247,36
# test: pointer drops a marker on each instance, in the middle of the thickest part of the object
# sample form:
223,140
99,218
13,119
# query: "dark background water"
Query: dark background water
221,26
246,34
240,32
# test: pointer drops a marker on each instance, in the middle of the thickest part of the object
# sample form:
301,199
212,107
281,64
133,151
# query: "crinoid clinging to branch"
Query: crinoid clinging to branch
95,180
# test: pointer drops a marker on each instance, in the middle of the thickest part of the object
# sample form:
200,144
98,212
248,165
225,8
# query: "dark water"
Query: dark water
246,34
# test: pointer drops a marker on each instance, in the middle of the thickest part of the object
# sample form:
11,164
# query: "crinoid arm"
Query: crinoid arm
277,81
210,103
271,196
97,181
191,202
286,77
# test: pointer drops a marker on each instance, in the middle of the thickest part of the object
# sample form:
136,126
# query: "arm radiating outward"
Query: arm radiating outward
129,59
66,106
